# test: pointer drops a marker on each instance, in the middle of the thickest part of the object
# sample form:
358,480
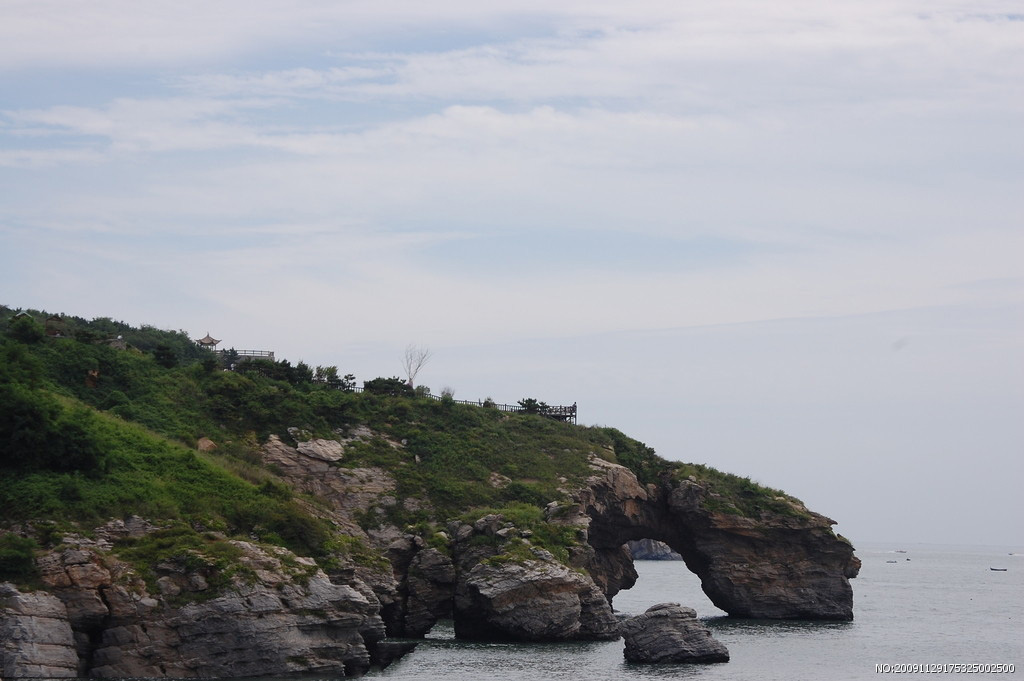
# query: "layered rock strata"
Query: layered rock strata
780,565
279,614
508,590
36,640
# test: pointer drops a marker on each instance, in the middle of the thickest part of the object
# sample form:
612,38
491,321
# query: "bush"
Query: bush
394,386
17,560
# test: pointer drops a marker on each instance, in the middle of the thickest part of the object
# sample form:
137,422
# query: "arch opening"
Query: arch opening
664,580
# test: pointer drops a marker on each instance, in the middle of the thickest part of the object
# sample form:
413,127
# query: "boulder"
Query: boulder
668,632
533,600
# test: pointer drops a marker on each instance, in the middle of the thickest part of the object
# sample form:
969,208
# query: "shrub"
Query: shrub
394,386
17,560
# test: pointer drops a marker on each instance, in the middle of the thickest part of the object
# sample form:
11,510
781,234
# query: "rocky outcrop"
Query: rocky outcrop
310,468
425,579
274,613
532,600
36,640
276,620
670,633
430,588
784,564
509,590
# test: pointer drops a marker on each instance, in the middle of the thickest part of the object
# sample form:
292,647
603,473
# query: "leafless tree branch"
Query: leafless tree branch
413,360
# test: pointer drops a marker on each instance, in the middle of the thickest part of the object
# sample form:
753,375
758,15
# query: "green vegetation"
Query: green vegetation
737,495
182,546
542,534
16,559
92,429
451,452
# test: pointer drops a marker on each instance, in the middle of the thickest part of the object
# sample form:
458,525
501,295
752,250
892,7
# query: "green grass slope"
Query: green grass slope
92,430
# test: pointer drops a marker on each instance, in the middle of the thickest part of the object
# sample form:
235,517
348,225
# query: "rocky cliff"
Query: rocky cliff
276,613
272,612
292,523
785,563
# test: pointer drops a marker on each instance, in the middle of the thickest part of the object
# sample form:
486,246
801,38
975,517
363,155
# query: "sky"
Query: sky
781,239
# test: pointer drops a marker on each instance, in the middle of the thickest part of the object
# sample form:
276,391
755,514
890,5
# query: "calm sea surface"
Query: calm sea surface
933,605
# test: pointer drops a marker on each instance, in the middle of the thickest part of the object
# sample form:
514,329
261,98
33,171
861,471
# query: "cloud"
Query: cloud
711,60
731,213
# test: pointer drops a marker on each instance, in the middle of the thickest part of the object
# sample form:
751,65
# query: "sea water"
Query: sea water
930,606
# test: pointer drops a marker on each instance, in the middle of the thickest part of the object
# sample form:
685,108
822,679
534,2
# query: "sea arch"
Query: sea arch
777,564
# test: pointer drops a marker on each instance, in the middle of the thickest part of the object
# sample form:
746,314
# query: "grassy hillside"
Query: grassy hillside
91,430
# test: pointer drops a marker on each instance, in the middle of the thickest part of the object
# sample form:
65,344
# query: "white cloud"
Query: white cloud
334,180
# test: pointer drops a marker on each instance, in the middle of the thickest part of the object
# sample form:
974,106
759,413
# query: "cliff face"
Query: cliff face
36,640
279,614
782,565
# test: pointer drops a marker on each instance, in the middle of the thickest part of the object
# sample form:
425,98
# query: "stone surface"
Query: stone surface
36,639
670,633
348,491
430,588
326,450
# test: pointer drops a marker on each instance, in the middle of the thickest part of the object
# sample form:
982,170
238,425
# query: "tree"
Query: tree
414,359
529,405
24,329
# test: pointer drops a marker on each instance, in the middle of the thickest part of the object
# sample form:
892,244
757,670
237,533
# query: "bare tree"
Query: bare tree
414,359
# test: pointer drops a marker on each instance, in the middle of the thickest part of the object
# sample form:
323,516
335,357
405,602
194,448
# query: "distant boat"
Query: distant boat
900,551
893,561
997,569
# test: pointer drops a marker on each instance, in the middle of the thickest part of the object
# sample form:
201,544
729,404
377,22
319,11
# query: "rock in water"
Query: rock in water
668,632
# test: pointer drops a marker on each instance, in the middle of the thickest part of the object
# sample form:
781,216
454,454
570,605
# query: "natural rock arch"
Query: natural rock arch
778,565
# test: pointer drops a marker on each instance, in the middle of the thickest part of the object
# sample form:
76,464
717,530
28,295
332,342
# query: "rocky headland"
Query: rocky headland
265,519
278,613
